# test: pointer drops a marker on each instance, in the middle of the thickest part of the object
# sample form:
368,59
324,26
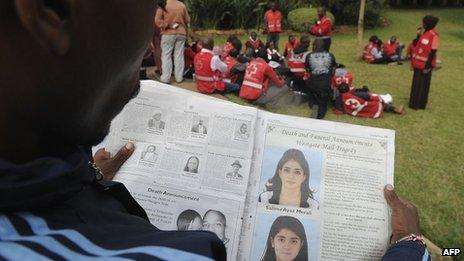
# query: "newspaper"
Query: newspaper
270,186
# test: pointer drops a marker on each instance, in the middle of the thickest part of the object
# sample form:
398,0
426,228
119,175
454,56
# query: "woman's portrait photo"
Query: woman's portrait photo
285,238
290,183
192,164
189,220
286,241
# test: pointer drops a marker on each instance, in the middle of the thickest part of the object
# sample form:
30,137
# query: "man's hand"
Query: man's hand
110,165
405,219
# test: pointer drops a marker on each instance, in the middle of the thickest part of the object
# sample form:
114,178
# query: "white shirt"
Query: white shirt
216,63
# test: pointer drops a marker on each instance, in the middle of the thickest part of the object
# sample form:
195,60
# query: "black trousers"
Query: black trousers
319,94
420,90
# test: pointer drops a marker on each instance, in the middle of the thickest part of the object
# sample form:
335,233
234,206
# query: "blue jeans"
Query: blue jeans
231,87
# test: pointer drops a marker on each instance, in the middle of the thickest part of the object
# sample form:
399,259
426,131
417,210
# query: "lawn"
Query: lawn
429,166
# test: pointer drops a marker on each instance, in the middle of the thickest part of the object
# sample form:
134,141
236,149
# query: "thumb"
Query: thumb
123,154
391,197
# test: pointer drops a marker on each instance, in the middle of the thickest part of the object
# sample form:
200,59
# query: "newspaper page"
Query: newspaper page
191,165
316,191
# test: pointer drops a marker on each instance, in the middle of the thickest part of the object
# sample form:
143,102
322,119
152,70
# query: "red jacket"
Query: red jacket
289,48
254,44
274,21
256,80
367,54
207,80
389,48
228,47
323,28
357,106
296,64
423,49
228,77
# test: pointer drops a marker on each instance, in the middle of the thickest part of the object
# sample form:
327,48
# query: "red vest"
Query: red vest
228,77
255,44
357,106
228,47
274,21
367,54
207,80
296,64
342,76
254,82
323,28
289,47
390,48
423,49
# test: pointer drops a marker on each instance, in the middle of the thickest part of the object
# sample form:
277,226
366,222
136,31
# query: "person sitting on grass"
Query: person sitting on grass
290,45
208,70
253,45
256,83
373,52
362,103
273,54
393,50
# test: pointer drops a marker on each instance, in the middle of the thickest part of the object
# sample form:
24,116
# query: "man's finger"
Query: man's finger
391,197
123,154
101,154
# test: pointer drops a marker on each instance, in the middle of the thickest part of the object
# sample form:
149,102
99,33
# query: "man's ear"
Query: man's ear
48,21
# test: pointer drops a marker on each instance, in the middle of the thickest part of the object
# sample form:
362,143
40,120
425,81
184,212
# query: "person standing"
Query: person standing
423,61
157,39
173,21
322,29
273,22
321,66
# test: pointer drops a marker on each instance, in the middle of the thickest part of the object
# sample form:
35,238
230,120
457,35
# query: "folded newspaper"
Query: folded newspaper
270,186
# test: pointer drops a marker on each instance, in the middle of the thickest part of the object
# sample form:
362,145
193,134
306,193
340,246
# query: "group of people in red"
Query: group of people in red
421,52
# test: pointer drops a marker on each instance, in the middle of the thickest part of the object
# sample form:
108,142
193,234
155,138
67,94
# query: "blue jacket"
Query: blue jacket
53,208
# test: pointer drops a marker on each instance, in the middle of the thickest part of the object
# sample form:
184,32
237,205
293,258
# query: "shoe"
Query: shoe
399,110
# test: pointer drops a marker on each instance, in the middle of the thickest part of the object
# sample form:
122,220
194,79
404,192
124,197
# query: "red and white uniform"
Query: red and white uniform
323,28
342,76
289,47
390,48
427,42
227,76
228,47
367,54
207,79
255,44
296,64
274,21
256,80
357,106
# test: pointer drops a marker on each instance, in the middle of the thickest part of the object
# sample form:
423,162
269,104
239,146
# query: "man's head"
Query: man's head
318,45
254,36
262,53
214,221
393,39
236,166
291,38
208,43
69,67
157,116
321,11
305,40
273,6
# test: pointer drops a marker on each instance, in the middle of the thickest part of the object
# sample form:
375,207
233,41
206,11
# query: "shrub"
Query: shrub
302,19
347,11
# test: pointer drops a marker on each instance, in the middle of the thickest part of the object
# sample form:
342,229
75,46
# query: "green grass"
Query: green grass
429,165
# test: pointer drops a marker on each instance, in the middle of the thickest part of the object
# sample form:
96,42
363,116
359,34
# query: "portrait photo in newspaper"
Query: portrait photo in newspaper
156,123
235,174
149,156
242,130
200,125
291,177
192,164
278,237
